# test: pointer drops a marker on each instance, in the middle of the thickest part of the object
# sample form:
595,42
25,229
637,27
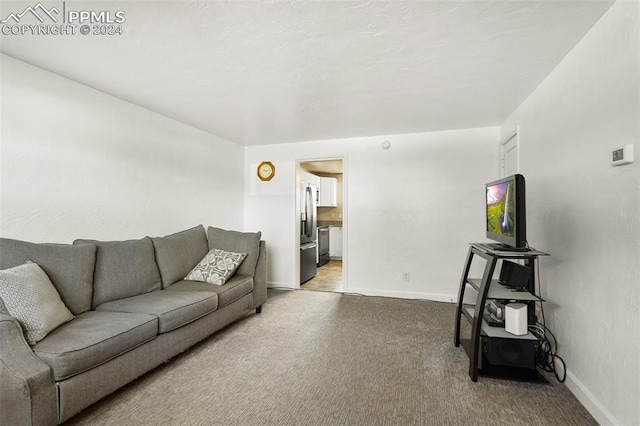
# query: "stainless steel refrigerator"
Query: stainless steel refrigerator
308,231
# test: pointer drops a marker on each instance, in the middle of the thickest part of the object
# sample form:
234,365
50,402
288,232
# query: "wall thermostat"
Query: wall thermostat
622,155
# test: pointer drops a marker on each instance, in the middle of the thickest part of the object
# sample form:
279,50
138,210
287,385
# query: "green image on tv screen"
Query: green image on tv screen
501,209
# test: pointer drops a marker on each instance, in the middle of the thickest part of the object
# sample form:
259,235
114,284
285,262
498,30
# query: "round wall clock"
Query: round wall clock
266,170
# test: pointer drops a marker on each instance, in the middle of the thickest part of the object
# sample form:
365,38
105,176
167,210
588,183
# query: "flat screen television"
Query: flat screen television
506,213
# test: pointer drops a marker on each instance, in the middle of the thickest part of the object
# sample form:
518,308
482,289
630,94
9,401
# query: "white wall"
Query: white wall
76,162
414,208
586,213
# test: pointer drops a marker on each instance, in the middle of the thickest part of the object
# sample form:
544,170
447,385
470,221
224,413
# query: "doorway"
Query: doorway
510,156
327,176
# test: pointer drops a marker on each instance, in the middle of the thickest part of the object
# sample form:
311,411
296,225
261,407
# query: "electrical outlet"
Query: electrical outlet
406,277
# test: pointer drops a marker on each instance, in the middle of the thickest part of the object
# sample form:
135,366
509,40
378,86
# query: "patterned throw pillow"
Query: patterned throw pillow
216,267
29,297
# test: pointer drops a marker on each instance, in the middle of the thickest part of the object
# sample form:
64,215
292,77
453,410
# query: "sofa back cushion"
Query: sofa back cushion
123,269
238,242
70,268
178,253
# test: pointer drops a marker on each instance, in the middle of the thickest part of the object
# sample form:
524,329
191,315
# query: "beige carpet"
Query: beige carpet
318,358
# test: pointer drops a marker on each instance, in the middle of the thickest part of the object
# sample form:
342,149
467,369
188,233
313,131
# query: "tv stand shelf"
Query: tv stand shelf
488,288
500,292
489,331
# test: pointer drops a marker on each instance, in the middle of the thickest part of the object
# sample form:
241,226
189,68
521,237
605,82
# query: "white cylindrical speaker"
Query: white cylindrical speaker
515,318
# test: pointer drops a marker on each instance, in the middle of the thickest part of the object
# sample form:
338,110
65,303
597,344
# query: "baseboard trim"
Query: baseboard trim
436,297
589,401
275,284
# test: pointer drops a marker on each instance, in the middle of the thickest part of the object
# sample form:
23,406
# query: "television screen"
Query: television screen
501,209
506,221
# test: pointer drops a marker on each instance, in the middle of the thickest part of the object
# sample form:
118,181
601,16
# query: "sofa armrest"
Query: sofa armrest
260,278
27,390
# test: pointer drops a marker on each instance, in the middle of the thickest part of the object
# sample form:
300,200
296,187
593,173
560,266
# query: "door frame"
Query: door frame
297,180
514,136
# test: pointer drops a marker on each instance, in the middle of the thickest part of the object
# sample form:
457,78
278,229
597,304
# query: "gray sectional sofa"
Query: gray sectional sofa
132,310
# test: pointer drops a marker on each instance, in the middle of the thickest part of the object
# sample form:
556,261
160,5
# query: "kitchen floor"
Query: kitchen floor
328,278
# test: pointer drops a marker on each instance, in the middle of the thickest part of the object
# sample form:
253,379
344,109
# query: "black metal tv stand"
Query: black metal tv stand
488,288
504,247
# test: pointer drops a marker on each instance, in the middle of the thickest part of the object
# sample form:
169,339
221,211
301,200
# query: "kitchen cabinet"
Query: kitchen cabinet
310,179
335,242
328,192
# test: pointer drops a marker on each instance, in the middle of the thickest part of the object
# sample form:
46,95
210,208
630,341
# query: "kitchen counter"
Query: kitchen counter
330,223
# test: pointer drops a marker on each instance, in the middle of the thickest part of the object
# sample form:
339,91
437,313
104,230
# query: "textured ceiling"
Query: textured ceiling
259,72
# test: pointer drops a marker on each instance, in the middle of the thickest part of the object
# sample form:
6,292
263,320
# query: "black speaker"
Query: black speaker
510,352
514,275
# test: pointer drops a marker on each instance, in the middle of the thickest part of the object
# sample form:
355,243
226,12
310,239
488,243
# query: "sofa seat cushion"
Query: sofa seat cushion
235,288
173,309
93,338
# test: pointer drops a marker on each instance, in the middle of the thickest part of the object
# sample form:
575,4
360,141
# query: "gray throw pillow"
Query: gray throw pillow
237,242
216,267
30,297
